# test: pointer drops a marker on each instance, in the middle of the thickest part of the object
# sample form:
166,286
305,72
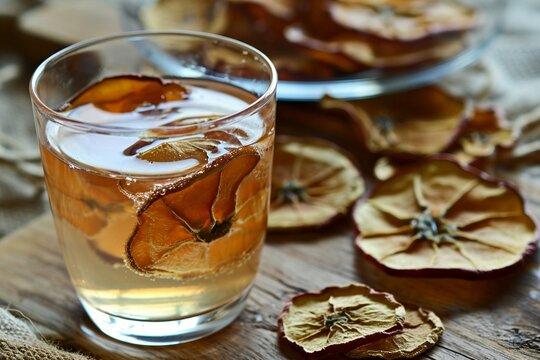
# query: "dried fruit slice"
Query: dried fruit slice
403,20
121,94
375,54
483,134
278,8
313,182
481,138
195,148
302,65
421,330
442,219
385,168
415,123
520,164
527,149
70,187
178,225
339,319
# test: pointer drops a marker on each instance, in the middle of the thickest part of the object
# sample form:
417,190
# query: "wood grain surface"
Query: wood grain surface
489,319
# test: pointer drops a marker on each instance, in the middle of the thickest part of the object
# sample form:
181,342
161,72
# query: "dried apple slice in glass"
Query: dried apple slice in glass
81,198
339,319
195,148
123,94
180,227
421,330
415,123
442,219
403,20
313,182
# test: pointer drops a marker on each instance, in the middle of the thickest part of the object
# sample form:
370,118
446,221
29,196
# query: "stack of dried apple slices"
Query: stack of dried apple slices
325,39
359,322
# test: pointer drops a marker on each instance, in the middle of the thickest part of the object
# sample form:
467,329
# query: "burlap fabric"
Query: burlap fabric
18,342
21,186
508,75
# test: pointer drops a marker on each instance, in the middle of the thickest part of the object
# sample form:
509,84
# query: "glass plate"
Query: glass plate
372,83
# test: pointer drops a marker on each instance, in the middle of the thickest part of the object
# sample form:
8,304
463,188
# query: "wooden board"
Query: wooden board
491,319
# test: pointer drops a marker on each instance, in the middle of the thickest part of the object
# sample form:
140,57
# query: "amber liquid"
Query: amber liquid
97,192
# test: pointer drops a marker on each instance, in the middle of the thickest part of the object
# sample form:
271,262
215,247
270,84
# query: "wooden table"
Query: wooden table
489,319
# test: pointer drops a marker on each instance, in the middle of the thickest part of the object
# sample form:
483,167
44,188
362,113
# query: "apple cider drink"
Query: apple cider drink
157,151
166,225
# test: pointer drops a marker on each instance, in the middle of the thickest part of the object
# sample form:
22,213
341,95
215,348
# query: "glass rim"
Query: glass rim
68,121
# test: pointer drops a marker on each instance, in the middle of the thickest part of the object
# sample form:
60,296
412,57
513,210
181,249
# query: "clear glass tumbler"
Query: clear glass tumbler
157,151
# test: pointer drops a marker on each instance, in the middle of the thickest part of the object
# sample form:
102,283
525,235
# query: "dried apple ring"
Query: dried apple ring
180,227
403,20
283,9
482,137
121,94
373,54
313,182
412,124
339,319
421,330
442,219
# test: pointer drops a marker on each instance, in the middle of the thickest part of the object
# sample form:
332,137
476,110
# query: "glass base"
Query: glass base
159,333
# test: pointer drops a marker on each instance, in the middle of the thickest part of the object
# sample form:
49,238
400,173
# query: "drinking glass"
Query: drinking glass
159,205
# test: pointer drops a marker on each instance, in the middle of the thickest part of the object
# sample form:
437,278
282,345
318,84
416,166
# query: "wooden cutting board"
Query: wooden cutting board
490,319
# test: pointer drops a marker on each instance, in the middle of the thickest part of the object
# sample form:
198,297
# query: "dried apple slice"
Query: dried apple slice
416,123
367,53
195,148
313,182
483,135
69,188
179,226
121,94
312,65
339,319
520,164
375,54
442,219
421,330
279,8
403,20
